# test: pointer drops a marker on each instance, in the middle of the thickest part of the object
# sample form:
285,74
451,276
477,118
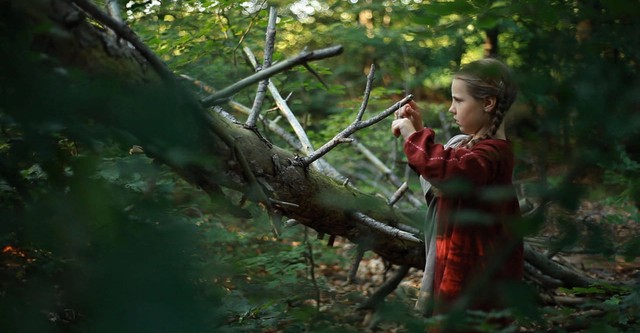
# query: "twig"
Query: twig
351,278
367,92
307,148
322,165
268,52
127,34
203,86
312,266
316,75
398,194
555,270
284,203
290,139
384,228
388,174
301,58
291,223
332,239
385,289
355,126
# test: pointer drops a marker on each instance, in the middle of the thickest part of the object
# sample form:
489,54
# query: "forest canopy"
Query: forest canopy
128,204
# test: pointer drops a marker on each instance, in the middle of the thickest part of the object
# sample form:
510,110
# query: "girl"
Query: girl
476,249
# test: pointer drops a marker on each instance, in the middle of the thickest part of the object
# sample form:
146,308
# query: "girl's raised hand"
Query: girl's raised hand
402,126
411,112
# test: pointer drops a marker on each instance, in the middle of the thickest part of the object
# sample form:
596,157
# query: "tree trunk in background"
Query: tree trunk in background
491,43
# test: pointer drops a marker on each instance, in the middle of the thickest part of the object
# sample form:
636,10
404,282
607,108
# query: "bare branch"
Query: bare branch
398,194
322,165
385,228
301,58
355,126
351,278
387,288
550,268
307,148
367,92
388,174
127,34
268,52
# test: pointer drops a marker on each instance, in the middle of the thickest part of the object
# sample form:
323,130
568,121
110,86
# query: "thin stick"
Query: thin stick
387,173
268,53
384,228
287,64
398,194
387,288
351,278
367,92
355,126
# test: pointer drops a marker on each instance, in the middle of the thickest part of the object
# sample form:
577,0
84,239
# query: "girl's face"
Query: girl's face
468,112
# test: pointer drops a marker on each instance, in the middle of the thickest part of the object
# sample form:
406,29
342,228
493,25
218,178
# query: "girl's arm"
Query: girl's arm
435,163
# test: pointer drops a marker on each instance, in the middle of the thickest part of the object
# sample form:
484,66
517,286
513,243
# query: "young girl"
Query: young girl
476,249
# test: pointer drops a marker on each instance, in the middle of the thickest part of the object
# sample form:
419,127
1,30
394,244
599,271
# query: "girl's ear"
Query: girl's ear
490,103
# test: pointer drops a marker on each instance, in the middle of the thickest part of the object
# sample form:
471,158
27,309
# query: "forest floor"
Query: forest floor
605,228
601,237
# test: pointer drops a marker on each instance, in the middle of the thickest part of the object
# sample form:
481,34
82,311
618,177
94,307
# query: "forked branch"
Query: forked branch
355,126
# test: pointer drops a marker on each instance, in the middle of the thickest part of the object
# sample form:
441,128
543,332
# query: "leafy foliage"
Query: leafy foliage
95,239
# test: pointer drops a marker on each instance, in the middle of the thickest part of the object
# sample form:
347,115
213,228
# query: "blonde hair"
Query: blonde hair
485,78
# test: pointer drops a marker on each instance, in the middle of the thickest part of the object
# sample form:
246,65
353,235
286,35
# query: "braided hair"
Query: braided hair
486,78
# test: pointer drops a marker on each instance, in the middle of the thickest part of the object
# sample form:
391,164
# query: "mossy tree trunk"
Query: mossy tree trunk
201,146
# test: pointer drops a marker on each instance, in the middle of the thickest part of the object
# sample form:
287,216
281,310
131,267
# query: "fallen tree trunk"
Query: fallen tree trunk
204,147
119,89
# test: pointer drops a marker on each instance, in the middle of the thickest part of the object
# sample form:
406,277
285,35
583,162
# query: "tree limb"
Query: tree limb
387,229
301,58
268,52
555,270
125,32
355,126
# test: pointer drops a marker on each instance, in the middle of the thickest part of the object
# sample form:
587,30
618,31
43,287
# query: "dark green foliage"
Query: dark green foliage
96,240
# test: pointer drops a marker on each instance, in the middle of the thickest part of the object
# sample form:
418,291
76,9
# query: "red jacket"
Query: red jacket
476,248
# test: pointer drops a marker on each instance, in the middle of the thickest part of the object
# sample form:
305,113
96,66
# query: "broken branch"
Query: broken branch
268,52
355,126
127,34
387,229
301,58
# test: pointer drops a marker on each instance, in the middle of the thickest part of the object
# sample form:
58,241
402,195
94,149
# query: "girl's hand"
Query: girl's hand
402,126
411,112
